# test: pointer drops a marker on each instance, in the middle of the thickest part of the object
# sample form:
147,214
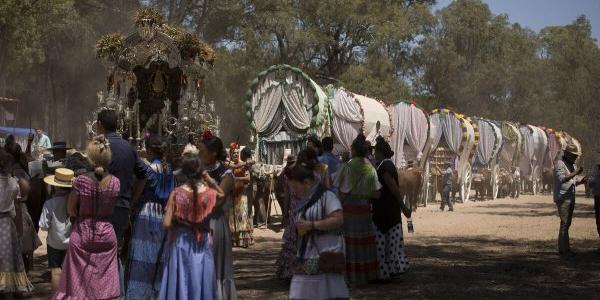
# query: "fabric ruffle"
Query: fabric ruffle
15,282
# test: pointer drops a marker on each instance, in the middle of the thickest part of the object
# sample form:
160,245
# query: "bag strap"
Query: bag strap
315,197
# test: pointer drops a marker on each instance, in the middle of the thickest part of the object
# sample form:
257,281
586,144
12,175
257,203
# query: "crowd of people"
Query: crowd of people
121,224
345,224
124,225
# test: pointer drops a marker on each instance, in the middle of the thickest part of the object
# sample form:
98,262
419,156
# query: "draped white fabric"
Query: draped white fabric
410,132
489,141
540,144
296,109
553,152
265,113
436,131
291,92
355,113
401,121
283,104
374,113
526,164
347,118
448,125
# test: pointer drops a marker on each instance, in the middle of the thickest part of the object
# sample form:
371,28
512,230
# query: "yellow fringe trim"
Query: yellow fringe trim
15,282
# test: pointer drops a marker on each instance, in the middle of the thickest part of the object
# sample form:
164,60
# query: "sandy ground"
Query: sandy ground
494,249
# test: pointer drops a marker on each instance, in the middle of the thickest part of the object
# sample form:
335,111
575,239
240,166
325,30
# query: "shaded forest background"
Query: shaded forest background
462,56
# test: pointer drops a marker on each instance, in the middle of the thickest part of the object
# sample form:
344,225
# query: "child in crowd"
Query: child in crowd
54,219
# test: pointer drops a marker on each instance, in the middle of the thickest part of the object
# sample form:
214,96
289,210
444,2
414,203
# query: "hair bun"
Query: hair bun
99,171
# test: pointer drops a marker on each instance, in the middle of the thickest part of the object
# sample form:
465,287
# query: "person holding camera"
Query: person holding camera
564,194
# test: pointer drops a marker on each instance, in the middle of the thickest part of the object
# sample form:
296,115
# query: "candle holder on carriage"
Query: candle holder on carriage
155,83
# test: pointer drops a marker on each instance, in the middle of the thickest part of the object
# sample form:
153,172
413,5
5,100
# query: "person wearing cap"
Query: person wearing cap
564,194
55,221
446,186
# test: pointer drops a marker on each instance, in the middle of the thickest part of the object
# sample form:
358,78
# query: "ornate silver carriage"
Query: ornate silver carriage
156,82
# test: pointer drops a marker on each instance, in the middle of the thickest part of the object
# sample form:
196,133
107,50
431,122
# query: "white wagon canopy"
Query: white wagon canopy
353,114
535,145
488,150
512,145
453,140
411,132
284,106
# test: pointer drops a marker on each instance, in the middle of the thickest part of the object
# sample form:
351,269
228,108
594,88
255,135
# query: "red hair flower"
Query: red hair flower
207,135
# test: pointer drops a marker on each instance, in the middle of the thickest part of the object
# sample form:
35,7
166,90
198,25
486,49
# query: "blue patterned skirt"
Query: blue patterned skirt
146,259
189,271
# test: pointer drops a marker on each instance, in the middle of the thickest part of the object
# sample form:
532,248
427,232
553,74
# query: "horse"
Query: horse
410,182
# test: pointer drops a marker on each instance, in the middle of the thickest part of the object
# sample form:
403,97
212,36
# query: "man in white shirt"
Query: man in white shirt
41,142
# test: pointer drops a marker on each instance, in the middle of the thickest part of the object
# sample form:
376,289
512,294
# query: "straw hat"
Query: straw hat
62,178
572,149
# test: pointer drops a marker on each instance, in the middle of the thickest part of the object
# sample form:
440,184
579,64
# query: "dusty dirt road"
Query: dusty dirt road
501,249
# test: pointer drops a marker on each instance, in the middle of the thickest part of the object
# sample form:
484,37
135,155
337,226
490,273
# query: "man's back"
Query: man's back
332,162
563,190
123,165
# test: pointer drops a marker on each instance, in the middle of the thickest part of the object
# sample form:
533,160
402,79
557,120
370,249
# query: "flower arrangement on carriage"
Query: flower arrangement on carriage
156,82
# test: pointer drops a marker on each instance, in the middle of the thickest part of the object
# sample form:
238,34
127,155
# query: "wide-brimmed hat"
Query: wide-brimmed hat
571,148
59,146
290,159
62,177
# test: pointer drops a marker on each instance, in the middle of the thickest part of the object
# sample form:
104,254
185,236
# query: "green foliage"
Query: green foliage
108,46
462,56
151,14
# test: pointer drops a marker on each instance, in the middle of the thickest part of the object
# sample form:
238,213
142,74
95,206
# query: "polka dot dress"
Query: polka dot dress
391,253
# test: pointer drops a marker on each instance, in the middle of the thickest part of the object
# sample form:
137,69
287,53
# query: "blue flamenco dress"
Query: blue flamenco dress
145,258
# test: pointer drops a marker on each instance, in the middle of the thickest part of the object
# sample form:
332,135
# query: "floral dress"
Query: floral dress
239,221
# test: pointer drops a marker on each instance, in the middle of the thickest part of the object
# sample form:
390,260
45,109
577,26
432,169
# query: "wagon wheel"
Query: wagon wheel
465,186
495,181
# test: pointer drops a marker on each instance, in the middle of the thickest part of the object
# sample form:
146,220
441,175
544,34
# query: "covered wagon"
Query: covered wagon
353,114
411,132
535,145
509,157
285,106
485,161
409,143
453,140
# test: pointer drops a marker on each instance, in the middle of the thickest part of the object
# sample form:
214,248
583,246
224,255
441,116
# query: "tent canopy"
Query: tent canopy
17,132
490,141
448,124
554,148
353,114
411,131
512,143
284,106
535,146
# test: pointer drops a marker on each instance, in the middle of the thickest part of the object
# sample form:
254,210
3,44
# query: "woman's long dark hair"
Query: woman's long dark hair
360,145
5,162
305,166
192,168
18,156
215,145
383,147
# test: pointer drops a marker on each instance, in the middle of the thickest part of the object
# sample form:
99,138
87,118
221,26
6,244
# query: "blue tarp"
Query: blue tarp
17,132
